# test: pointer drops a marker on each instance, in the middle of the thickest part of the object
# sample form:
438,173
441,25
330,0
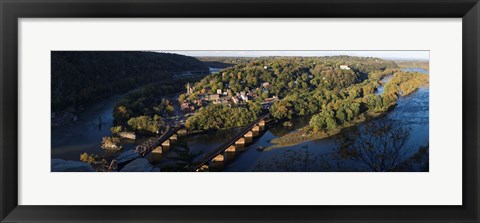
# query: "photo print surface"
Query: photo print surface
240,111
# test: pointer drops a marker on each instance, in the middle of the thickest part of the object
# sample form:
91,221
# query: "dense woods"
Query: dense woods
144,110
223,116
335,90
308,98
80,77
223,62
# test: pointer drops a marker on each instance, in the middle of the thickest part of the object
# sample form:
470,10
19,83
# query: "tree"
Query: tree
340,115
317,122
121,113
111,143
379,144
281,109
185,156
88,158
116,129
291,161
331,123
265,94
146,124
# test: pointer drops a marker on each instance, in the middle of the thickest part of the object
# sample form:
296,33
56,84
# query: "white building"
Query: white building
344,67
235,100
244,98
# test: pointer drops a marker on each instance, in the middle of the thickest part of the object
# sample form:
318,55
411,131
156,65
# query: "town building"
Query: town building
189,88
214,97
244,97
235,100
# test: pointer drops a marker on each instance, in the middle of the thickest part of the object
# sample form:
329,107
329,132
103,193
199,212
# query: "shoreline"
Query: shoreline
305,134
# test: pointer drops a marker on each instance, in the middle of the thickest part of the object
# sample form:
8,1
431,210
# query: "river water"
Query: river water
85,135
412,111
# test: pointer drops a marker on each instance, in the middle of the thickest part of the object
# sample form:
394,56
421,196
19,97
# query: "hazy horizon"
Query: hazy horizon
423,55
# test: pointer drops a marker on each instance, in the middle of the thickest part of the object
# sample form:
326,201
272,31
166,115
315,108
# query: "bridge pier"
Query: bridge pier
240,144
173,138
217,162
248,137
166,144
261,124
230,153
157,154
182,132
256,130
203,168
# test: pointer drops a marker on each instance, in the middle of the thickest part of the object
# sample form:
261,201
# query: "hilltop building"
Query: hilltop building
189,89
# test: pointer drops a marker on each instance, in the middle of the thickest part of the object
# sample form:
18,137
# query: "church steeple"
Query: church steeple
189,89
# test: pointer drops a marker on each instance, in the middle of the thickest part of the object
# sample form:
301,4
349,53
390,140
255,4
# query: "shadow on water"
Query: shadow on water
322,154
85,135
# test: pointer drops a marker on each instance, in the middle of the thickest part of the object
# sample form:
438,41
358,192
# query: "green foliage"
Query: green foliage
116,129
146,124
223,116
404,83
413,64
331,123
79,77
281,109
121,114
318,122
308,86
111,143
88,158
148,100
286,75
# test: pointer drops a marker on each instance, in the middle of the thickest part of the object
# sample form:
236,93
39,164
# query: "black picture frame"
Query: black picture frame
12,10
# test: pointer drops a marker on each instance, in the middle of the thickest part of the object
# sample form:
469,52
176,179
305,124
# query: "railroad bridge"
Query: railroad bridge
228,150
158,146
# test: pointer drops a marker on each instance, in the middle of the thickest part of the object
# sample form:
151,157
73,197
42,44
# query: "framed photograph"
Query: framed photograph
228,111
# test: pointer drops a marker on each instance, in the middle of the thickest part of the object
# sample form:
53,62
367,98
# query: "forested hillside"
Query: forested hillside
340,88
83,76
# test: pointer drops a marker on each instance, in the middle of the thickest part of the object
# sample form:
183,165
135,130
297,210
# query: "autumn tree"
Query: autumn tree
379,144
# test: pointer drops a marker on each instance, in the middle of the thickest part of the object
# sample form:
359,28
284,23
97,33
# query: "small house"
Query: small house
214,97
235,100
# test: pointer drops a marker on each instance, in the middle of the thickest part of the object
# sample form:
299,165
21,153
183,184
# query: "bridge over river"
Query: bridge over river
157,147
236,144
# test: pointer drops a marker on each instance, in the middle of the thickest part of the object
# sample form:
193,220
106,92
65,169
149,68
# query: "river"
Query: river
85,135
412,110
